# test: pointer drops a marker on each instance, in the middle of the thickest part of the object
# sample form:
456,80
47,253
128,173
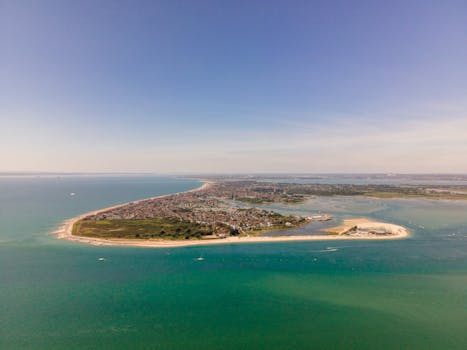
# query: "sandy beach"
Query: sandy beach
65,232
365,224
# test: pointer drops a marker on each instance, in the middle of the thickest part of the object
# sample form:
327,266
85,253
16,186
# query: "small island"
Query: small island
210,215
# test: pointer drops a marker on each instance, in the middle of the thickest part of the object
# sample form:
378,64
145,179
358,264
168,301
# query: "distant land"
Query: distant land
336,176
259,176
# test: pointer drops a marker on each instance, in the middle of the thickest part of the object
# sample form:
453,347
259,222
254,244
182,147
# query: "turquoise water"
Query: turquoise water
409,294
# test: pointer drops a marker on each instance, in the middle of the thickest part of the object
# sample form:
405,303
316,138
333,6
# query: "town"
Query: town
204,213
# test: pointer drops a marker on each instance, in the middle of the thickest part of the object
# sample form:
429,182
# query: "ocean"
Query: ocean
405,294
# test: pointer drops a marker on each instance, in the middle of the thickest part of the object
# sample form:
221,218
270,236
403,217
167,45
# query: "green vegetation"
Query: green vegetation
402,194
166,228
293,199
253,200
281,223
172,228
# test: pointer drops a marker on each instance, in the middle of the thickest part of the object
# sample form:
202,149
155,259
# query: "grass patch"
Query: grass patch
166,228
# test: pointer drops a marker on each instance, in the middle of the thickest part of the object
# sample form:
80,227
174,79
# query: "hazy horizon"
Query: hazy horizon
233,87
240,174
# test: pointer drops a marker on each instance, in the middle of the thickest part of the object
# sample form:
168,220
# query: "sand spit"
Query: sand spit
364,225
394,232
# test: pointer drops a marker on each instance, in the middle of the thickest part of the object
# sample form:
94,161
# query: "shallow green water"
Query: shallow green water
409,294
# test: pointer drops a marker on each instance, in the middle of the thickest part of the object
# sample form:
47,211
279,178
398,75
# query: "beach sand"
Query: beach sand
65,232
365,224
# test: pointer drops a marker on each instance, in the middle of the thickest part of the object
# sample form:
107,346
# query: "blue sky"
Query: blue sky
233,86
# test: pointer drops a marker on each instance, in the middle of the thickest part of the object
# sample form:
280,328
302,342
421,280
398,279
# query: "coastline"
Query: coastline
65,232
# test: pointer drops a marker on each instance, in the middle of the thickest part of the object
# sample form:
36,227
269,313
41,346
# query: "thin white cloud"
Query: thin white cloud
431,145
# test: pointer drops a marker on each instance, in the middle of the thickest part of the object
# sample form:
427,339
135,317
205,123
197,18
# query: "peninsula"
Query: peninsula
206,215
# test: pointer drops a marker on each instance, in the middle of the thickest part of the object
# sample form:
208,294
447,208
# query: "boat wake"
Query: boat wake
327,250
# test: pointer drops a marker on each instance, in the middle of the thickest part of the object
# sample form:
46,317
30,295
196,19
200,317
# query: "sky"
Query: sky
233,86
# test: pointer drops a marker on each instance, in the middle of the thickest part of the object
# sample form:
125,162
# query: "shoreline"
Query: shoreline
64,232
